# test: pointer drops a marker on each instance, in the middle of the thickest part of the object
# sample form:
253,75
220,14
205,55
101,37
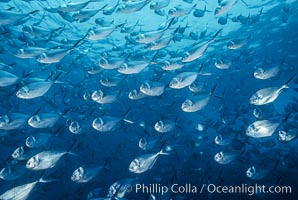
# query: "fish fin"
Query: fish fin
244,3
43,180
286,85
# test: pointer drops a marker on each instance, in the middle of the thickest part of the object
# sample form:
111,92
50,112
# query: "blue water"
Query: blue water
270,40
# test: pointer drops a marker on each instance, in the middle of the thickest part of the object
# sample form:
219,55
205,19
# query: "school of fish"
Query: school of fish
98,96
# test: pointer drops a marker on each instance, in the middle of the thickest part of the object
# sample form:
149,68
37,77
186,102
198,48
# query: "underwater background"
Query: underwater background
101,97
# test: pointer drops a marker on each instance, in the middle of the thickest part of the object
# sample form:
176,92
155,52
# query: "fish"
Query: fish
262,128
40,32
151,88
34,90
159,4
238,43
13,121
197,103
85,15
200,13
119,188
12,17
111,62
108,123
136,95
38,140
45,160
8,79
223,64
287,135
104,97
225,6
133,67
257,173
268,72
152,36
170,65
30,52
12,172
22,153
102,32
145,162
180,10
164,126
132,6
264,111
225,157
269,94
111,10
74,6
43,120
183,80
21,191
85,174
197,52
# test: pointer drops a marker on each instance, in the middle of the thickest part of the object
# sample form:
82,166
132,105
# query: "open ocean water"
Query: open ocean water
148,99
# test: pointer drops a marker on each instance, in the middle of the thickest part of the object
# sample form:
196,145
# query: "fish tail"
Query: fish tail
214,36
286,85
244,3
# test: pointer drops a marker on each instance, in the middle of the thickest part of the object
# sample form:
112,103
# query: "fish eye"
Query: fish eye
145,87
20,51
103,61
159,126
23,91
174,82
251,172
132,94
30,141
26,29
219,156
3,173
42,56
230,44
140,37
188,103
282,136
74,127
143,143
172,11
34,120
97,95
123,67
4,120
18,152
97,123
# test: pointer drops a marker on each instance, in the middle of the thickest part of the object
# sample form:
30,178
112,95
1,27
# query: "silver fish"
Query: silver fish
133,67
22,153
164,126
266,95
107,123
13,121
85,174
136,95
111,63
145,162
12,172
225,157
256,174
45,160
172,65
38,140
262,128
183,79
225,6
34,90
159,4
30,52
238,43
197,52
21,192
151,88
104,97
287,135
11,17
180,10
267,73
132,6
43,120
7,78
74,6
